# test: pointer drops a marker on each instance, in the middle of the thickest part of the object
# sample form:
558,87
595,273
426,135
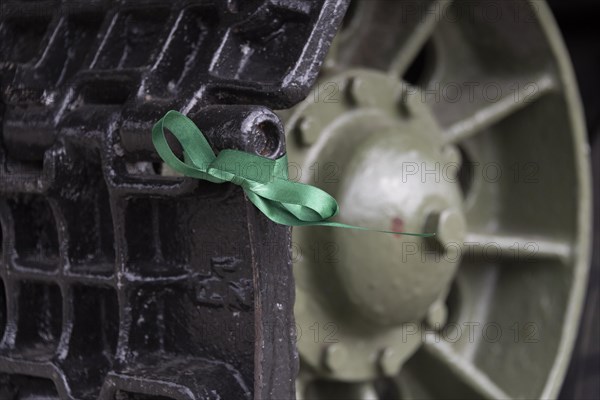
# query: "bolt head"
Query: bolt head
307,131
389,361
335,357
449,226
452,155
437,316
404,101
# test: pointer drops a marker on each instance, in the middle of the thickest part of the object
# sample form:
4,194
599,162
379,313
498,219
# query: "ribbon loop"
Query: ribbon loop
264,181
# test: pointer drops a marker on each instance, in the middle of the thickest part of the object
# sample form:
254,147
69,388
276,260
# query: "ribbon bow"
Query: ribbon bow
264,181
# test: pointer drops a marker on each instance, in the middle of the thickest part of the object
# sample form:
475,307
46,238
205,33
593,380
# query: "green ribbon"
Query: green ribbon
264,181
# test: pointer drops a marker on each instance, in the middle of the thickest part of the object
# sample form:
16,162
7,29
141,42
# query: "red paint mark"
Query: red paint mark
397,225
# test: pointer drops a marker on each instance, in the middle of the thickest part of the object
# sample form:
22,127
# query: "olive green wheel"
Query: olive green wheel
460,118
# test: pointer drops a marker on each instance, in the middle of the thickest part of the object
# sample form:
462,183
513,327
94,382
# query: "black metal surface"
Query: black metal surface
119,282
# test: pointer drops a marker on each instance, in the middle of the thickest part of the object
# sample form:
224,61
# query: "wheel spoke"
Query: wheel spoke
491,114
449,374
415,40
409,25
514,247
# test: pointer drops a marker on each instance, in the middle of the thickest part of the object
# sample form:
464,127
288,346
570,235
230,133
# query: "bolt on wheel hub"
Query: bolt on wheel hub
380,153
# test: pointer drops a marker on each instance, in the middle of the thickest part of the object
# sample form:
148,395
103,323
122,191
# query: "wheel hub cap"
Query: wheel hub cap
380,153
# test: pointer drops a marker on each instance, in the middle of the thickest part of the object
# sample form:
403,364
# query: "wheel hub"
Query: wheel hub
380,153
